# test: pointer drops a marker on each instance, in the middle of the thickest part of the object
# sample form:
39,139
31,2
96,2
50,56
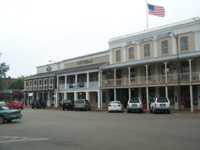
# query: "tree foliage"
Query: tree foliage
3,69
17,84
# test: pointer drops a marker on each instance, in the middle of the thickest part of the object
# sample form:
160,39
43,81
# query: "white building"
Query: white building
162,61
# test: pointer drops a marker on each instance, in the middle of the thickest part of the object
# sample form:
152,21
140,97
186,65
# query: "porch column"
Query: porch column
99,99
115,77
115,91
87,96
56,99
99,78
88,80
140,92
76,80
147,88
65,96
115,94
191,89
57,82
129,76
48,99
129,93
176,97
65,85
166,88
75,96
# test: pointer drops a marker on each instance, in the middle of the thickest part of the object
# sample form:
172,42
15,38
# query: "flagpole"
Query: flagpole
147,19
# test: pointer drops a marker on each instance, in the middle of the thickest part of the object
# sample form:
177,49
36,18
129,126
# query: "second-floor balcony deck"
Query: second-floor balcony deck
153,80
80,85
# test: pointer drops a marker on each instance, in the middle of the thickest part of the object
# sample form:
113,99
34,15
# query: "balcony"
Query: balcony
93,84
156,79
172,78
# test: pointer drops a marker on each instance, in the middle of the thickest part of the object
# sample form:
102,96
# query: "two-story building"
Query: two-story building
163,61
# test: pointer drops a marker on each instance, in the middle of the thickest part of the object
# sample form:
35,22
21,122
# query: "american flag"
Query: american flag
156,10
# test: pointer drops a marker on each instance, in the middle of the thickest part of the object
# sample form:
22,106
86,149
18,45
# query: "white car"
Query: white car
135,105
160,104
115,106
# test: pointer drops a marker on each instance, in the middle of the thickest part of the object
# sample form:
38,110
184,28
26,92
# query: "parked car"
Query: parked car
135,105
15,105
2,103
160,104
36,104
82,104
115,106
68,105
8,115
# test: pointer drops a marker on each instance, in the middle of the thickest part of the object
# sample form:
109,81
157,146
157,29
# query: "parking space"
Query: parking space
61,130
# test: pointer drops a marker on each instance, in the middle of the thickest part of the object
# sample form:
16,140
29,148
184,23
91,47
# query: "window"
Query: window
184,43
131,52
164,47
118,56
146,50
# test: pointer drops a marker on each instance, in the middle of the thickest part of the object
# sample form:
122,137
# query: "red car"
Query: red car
15,105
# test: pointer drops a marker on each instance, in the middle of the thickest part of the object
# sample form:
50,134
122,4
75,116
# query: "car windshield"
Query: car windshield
115,102
135,100
80,101
162,100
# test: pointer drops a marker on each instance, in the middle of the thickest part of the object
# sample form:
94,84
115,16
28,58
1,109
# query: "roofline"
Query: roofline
187,21
78,57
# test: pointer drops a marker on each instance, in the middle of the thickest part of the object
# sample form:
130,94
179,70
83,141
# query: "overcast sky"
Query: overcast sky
32,32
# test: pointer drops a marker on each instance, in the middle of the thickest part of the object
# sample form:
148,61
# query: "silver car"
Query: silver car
81,104
135,105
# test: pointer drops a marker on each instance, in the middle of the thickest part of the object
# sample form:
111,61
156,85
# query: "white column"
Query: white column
147,89
75,96
115,77
99,99
99,78
129,76
191,99
65,96
56,99
147,96
88,80
129,93
115,94
65,82
166,91
57,82
87,96
191,89
76,80
176,98
115,91
48,100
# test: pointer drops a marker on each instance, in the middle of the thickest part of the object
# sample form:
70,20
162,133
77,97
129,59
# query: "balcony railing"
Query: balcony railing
138,80
156,79
172,78
93,84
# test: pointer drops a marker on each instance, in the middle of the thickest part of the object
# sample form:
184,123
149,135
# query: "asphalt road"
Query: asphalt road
58,130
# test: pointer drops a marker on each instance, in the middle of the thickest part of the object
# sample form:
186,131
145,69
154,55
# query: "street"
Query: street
79,130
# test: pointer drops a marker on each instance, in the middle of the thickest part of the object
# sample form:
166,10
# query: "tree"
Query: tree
17,84
3,69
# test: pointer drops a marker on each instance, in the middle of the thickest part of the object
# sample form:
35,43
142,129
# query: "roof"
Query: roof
188,21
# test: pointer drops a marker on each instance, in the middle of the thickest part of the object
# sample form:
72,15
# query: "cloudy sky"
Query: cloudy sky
32,32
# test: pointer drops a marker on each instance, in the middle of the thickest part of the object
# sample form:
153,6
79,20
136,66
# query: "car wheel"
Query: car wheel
168,111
